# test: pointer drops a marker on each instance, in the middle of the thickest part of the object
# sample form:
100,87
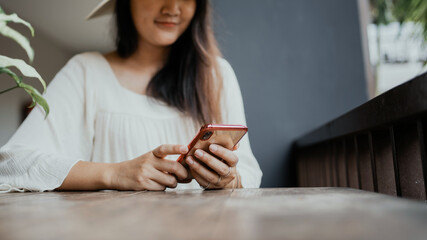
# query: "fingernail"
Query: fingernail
213,147
199,153
189,160
183,149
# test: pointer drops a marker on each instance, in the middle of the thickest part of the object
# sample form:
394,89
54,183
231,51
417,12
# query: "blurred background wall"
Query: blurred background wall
300,63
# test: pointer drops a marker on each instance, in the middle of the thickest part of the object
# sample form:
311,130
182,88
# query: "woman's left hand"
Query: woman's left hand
222,163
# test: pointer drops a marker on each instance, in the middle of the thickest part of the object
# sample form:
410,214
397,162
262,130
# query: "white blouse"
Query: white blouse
94,118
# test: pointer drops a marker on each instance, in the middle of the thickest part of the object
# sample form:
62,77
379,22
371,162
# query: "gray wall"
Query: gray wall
299,64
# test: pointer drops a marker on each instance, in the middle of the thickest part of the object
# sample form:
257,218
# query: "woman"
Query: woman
150,96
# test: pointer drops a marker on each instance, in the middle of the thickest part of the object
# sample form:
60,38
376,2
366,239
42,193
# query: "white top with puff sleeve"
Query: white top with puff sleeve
93,118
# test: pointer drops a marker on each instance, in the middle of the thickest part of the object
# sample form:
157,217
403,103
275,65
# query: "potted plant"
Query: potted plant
7,63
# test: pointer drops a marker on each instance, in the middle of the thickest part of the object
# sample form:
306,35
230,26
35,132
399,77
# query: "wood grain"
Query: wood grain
293,213
408,154
351,156
365,163
385,169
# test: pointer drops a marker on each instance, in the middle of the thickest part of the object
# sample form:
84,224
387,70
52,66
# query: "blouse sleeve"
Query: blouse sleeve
42,151
233,113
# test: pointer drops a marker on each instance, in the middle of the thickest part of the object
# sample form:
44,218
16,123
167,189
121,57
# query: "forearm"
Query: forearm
88,176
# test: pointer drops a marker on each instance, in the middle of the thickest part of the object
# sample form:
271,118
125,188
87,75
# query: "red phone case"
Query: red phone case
222,134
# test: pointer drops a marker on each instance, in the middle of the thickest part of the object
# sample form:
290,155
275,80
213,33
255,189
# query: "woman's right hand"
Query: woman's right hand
150,171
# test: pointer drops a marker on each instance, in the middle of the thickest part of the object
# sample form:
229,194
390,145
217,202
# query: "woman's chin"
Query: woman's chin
165,42
165,38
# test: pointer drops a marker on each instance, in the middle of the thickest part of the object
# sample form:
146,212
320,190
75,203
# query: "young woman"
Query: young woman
118,120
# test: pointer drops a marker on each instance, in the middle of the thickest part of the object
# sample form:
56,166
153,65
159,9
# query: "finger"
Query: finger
154,186
169,149
224,182
225,154
202,182
189,177
214,163
171,167
202,171
164,179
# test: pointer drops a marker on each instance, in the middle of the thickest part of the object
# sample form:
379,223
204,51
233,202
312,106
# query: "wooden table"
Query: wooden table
277,213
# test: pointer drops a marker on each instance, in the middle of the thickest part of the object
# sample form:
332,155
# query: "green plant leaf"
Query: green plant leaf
36,96
12,74
14,18
25,69
411,11
379,11
19,38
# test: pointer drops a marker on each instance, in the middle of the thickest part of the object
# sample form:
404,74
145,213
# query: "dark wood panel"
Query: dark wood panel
311,167
365,163
308,166
322,153
379,146
334,163
396,166
328,165
341,163
315,170
302,169
319,158
422,132
406,100
383,154
352,166
408,155
311,176
373,163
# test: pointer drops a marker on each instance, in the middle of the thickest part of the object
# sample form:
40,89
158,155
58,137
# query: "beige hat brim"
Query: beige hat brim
103,8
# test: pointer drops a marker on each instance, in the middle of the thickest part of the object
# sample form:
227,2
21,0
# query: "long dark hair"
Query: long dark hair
190,80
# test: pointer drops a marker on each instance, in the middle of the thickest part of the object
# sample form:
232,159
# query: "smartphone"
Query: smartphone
224,135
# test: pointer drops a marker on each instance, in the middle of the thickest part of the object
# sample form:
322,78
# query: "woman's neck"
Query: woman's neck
136,71
149,56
